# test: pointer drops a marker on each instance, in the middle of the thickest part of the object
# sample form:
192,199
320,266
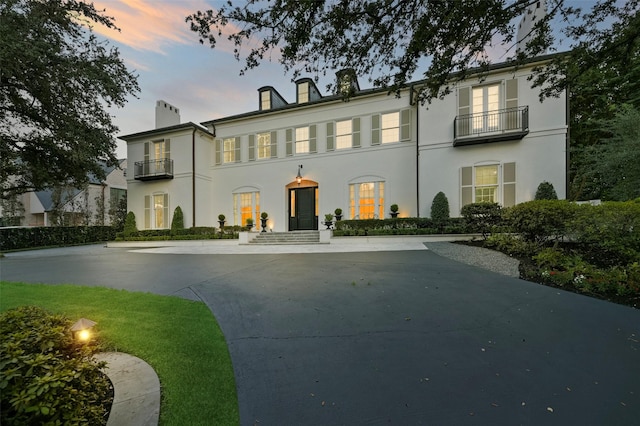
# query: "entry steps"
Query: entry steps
291,237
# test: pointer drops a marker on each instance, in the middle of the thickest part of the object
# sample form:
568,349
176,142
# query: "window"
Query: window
391,127
494,183
264,145
484,100
160,151
302,140
229,147
265,100
156,211
303,92
115,195
343,134
486,188
246,205
366,200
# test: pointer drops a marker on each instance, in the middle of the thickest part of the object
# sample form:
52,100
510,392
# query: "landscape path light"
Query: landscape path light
81,330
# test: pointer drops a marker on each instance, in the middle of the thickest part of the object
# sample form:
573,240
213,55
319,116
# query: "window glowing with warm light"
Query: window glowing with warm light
246,205
486,188
366,200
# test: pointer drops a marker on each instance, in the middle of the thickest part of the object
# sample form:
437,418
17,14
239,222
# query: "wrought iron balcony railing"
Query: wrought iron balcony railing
153,169
491,126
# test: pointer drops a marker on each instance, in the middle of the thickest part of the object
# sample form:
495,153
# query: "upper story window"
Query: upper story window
265,100
303,92
343,134
264,145
484,100
302,140
391,127
229,150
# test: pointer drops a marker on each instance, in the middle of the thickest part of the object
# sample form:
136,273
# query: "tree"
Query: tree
393,39
177,222
130,227
56,81
610,168
440,207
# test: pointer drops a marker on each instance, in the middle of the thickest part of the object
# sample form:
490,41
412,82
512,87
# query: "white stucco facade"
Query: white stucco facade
360,155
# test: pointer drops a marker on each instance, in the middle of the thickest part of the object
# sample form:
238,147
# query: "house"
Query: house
491,139
72,206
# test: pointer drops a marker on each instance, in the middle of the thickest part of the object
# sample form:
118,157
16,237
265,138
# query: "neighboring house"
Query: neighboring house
71,206
489,140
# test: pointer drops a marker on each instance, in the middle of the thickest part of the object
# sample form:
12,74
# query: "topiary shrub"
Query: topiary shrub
46,377
130,227
440,208
177,222
482,217
545,191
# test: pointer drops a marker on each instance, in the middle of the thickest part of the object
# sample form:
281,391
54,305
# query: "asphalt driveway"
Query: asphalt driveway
398,337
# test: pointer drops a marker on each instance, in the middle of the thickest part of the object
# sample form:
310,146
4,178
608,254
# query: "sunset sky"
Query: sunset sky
204,83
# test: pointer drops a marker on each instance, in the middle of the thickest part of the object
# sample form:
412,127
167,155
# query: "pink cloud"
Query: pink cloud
149,24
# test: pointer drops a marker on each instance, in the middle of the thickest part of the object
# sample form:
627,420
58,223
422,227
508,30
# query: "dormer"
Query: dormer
270,98
306,91
347,82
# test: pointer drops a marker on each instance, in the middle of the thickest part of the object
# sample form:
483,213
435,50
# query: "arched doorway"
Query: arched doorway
302,205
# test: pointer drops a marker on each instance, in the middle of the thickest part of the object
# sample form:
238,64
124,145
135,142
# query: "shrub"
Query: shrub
21,238
264,215
177,222
394,208
541,221
440,207
482,217
221,217
545,191
609,233
47,378
130,227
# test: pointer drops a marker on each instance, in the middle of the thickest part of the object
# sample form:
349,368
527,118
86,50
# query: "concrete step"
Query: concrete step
293,237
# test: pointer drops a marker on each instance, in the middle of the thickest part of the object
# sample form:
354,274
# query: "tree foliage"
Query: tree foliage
56,81
440,207
391,40
546,191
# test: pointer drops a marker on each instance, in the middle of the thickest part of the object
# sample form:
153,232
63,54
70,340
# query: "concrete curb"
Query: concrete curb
136,387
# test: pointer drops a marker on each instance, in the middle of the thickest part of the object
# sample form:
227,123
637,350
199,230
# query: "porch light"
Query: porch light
81,330
299,176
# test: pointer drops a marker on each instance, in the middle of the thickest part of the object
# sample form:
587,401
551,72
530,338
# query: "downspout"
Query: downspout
193,177
411,99
567,165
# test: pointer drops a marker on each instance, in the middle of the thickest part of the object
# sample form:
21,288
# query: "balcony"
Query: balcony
153,169
492,126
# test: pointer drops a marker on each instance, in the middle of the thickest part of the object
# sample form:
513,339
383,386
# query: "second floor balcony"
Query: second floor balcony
491,126
153,169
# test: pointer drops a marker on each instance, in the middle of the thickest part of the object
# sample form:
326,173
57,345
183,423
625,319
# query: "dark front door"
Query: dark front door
302,209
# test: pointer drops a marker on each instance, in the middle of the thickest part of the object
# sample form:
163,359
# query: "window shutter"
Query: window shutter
512,119
167,148
147,146
509,184
147,211
330,138
312,139
165,210
355,128
466,186
274,144
405,125
511,100
236,148
464,108
289,142
218,151
375,129
252,147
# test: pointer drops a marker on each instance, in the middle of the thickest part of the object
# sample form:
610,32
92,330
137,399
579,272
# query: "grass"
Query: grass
180,339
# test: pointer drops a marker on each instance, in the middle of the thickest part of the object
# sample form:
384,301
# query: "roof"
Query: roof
163,130
365,92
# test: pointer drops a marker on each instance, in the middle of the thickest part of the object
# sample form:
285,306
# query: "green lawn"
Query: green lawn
180,339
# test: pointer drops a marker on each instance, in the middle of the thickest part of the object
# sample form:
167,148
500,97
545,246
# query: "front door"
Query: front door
302,209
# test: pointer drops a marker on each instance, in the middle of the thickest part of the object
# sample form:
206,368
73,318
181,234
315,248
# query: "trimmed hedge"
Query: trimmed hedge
23,238
196,233
398,226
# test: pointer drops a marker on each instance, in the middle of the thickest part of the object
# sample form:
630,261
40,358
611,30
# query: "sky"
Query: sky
156,44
